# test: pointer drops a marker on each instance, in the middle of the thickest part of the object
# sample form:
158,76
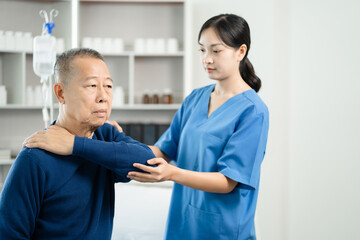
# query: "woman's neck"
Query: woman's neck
231,86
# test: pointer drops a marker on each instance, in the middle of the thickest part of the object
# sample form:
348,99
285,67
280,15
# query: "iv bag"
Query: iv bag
44,55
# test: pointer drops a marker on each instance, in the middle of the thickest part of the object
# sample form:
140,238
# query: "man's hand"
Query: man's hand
55,139
115,124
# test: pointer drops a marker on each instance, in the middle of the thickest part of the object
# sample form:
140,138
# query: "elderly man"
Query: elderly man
53,196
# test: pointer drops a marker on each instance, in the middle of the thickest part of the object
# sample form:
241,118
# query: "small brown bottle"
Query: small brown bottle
167,96
156,99
146,97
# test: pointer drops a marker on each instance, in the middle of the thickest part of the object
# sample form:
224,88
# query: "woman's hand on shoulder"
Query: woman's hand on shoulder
54,139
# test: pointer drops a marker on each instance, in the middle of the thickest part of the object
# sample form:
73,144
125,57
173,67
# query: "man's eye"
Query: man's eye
109,86
216,51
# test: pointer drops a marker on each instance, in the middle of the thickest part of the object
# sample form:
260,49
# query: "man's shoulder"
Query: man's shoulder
39,157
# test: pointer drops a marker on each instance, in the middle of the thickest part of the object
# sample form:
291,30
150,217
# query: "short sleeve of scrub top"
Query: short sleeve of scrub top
245,150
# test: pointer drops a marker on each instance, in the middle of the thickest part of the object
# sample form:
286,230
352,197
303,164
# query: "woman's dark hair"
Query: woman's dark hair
234,31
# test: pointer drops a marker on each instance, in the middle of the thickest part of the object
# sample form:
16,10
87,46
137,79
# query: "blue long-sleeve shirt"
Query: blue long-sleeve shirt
48,196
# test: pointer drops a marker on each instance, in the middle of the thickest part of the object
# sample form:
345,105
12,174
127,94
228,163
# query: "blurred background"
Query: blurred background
307,55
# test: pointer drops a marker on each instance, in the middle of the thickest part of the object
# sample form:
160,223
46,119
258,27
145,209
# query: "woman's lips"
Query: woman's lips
209,70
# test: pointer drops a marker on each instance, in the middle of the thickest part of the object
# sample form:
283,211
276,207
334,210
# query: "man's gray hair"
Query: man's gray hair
63,67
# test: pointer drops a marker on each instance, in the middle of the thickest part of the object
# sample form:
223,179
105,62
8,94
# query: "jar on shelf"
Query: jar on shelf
146,99
156,97
167,97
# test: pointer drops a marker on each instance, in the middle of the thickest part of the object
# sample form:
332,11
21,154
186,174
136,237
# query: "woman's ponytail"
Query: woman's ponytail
247,72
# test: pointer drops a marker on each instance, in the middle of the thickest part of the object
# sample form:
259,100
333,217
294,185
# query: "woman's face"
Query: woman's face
220,61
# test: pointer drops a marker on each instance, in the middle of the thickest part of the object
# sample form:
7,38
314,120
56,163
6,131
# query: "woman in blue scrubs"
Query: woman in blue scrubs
217,140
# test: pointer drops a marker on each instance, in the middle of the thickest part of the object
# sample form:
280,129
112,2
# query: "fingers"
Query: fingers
141,177
115,124
37,136
144,167
154,161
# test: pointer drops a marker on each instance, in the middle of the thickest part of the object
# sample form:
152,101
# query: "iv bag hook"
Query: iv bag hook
53,14
44,14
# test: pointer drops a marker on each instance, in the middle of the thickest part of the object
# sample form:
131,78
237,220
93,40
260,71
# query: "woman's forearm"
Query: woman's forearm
205,181
158,153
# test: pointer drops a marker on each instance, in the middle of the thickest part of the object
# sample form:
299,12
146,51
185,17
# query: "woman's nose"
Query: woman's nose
207,58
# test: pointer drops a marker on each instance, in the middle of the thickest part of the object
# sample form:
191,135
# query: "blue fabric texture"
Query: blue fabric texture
232,141
47,196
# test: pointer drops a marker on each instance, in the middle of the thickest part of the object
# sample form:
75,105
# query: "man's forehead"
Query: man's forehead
96,78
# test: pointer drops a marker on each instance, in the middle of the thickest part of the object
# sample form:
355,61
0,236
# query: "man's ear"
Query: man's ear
241,52
59,92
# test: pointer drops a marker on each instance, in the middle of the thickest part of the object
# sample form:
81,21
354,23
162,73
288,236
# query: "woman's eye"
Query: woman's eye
109,86
202,50
216,51
92,85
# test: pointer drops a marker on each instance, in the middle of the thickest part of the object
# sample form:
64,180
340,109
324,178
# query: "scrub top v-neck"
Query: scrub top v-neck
232,141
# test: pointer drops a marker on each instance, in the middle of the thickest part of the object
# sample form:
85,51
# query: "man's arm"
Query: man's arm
20,198
117,154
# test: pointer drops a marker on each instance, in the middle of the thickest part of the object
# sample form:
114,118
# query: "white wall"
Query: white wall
324,117
307,54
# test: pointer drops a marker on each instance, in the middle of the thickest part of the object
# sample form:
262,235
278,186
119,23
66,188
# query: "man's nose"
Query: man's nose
102,95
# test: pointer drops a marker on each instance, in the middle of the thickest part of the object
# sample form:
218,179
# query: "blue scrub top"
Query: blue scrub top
232,141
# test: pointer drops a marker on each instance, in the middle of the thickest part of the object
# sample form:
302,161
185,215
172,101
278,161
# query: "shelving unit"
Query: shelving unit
128,20
134,71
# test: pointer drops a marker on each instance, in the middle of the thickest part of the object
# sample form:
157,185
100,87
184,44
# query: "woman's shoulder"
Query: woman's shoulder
256,103
256,100
198,92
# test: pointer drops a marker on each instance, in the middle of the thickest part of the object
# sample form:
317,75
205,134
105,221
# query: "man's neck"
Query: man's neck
75,128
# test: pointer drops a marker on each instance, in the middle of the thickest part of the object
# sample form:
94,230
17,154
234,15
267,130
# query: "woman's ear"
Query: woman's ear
241,52
59,92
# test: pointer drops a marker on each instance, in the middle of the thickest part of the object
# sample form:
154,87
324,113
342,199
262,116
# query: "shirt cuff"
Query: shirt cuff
78,148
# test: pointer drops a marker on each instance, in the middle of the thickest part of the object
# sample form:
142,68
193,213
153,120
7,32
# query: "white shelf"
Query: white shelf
14,51
114,108
132,1
6,161
20,106
178,54
147,107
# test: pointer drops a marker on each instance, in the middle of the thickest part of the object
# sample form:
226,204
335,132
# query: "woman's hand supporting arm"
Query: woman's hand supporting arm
214,182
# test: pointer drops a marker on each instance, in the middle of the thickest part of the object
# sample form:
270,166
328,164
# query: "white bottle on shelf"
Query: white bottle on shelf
19,41
118,96
28,42
172,45
2,40
3,96
9,41
118,45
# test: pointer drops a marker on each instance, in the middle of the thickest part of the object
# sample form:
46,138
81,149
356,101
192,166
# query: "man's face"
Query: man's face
88,95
